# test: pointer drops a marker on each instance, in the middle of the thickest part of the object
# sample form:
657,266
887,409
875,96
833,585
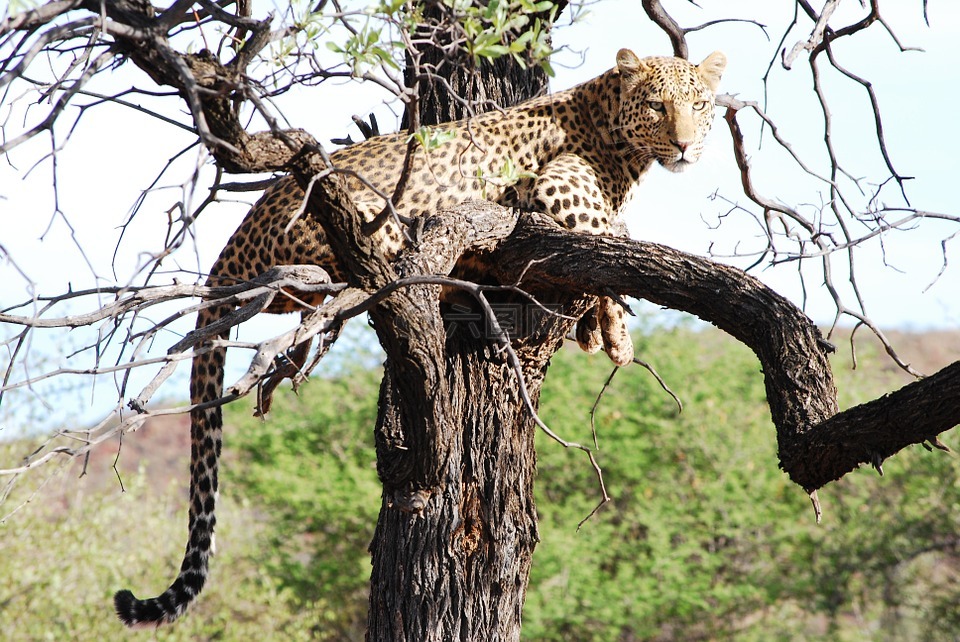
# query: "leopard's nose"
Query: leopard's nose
682,145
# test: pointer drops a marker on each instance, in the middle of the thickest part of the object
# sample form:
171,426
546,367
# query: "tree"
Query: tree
457,411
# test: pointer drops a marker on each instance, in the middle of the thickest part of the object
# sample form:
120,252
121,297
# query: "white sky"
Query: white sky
116,153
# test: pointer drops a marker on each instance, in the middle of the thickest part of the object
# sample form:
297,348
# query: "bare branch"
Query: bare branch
304,278
816,36
38,16
662,19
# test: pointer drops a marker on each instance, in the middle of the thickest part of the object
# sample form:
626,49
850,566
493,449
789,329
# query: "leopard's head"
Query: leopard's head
666,106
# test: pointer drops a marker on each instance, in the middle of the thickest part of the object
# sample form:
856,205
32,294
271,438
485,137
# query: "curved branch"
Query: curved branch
817,444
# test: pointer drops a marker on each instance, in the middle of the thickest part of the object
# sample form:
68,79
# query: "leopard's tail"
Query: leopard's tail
206,429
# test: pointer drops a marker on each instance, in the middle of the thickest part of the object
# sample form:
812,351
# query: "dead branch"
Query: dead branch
665,21
303,278
834,229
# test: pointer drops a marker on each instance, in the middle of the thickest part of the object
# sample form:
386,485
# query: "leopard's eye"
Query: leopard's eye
700,105
655,105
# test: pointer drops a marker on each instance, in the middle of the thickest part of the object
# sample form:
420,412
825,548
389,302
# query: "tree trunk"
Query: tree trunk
467,89
458,525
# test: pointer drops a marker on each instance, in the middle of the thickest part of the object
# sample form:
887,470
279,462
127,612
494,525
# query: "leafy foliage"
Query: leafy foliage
65,553
704,538
311,466
487,31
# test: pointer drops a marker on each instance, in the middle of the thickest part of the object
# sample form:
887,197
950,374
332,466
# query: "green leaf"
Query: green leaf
430,138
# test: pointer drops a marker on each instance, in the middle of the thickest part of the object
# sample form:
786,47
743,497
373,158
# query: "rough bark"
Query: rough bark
455,450
467,88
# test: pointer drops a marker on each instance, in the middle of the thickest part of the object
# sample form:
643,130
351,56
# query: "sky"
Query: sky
115,153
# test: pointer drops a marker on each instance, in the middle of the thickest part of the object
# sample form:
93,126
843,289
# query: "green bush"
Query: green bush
63,555
705,538
312,468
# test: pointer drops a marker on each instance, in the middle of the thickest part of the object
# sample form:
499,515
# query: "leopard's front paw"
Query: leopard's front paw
613,331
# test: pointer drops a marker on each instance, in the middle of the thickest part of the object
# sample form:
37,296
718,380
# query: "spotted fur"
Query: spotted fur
577,154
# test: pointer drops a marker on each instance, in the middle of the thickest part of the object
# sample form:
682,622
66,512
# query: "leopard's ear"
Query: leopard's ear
627,62
712,68
631,69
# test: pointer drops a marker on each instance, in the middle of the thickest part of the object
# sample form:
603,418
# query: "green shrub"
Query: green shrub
63,555
312,468
704,539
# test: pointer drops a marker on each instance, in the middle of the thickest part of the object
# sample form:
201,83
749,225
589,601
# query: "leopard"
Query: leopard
577,156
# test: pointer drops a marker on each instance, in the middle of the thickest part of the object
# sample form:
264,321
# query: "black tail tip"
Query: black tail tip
125,604
137,614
